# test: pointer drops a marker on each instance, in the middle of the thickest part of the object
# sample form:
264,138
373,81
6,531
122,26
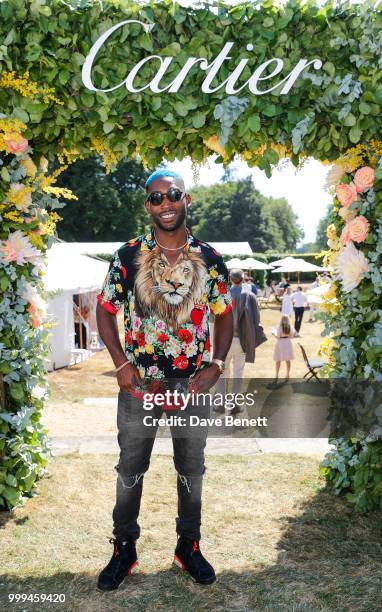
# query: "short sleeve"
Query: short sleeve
219,297
113,293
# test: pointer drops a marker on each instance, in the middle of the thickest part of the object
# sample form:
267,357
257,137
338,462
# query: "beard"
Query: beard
179,221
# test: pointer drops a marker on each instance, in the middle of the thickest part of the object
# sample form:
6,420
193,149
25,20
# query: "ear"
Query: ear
188,199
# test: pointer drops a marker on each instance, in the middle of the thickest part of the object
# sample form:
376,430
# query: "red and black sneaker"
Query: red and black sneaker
123,563
190,559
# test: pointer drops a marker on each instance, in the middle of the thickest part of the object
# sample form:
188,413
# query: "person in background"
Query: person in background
284,348
299,302
287,304
249,285
248,334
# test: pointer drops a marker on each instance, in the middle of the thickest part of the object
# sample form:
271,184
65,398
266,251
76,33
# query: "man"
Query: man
249,285
299,302
248,334
167,281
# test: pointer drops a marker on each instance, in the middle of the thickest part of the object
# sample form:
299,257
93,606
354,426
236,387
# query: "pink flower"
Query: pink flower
36,318
15,143
345,236
364,178
160,325
18,248
355,230
346,194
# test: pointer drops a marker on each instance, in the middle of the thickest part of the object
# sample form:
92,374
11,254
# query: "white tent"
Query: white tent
68,273
254,264
231,248
299,265
234,263
281,262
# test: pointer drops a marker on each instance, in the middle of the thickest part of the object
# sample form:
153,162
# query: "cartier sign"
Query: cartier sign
257,83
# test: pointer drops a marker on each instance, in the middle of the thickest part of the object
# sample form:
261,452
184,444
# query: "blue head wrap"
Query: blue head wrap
163,172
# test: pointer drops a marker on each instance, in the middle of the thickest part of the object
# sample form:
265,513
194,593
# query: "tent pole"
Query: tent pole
80,320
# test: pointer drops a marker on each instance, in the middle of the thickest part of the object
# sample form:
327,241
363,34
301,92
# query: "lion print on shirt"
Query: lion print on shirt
169,292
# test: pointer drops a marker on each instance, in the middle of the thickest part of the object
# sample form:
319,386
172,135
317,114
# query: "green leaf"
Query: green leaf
181,109
21,114
349,120
254,123
364,108
11,480
355,134
108,127
156,103
198,120
271,110
5,174
4,283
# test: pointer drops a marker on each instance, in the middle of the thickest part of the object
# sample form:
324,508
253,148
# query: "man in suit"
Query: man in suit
248,334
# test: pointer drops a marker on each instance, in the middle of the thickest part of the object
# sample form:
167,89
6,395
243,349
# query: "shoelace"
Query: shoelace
116,549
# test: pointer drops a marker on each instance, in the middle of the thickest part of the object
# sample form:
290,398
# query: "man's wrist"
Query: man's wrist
219,363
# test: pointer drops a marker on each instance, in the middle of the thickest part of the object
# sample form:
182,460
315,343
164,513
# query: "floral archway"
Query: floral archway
261,81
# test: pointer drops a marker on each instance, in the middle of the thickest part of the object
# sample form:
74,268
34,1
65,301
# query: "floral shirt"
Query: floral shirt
166,308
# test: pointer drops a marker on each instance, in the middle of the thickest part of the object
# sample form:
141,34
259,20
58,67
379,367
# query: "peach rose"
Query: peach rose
345,236
358,228
364,178
15,143
346,194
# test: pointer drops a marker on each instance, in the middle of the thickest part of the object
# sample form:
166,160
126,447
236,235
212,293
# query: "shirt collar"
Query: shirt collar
149,244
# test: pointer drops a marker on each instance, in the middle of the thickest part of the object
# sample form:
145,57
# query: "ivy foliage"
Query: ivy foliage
325,112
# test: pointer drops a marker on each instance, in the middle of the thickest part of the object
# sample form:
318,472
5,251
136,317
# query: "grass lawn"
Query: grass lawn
278,540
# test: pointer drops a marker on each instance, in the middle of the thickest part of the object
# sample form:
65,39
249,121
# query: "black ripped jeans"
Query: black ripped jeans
136,442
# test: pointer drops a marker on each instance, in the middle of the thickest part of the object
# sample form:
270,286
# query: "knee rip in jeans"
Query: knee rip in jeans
186,480
129,481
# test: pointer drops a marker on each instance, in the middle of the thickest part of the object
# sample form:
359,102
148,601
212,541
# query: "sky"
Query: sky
304,188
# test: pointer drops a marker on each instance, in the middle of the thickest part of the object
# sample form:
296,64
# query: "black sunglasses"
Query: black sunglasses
156,197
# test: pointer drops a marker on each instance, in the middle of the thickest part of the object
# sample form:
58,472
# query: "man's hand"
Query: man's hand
204,379
128,378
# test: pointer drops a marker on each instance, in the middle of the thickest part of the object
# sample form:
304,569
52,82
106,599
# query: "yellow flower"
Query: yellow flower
330,294
43,164
30,167
19,195
13,216
28,88
36,240
149,348
101,147
119,288
331,231
201,346
136,351
214,273
213,143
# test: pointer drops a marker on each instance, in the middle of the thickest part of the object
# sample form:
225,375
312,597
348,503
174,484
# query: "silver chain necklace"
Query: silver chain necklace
168,248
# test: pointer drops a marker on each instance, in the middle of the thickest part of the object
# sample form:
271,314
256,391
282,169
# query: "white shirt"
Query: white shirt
299,299
287,305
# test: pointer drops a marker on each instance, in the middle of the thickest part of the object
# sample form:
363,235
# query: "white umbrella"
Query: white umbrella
298,265
254,264
234,263
281,262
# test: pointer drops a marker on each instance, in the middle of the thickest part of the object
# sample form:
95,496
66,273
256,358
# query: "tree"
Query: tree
109,207
236,211
321,237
